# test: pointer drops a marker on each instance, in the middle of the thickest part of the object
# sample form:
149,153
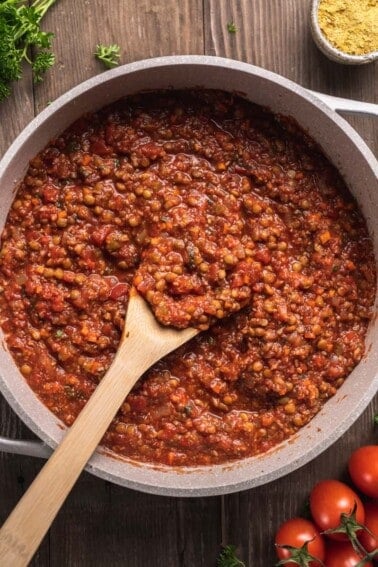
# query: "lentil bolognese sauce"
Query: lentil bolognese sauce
225,217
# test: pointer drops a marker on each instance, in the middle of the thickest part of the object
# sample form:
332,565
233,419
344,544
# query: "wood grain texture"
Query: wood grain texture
107,525
276,35
16,111
142,29
101,524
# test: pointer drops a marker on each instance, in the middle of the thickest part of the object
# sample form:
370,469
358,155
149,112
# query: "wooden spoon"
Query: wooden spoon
143,342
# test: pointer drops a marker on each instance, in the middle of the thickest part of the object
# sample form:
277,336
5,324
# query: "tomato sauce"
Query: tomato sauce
225,217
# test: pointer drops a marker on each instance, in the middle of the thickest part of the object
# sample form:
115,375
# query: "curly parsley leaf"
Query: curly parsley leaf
20,32
231,27
109,55
43,62
228,558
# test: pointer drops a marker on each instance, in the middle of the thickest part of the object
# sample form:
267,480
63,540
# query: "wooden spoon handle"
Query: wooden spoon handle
26,526
143,343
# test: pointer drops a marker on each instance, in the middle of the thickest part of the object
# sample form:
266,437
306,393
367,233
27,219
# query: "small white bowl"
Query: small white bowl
330,50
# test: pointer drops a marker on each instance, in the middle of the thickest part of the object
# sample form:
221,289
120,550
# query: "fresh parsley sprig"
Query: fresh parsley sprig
20,32
108,54
231,27
228,558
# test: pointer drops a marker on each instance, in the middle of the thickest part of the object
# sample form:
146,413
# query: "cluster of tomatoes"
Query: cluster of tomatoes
343,531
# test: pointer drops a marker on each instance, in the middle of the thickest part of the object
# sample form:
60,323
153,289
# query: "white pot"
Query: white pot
344,148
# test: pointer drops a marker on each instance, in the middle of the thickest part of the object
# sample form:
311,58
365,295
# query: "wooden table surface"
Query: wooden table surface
102,524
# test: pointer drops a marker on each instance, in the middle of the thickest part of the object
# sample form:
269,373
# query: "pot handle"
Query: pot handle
24,447
347,105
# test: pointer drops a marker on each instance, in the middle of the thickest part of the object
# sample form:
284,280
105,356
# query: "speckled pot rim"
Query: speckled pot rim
348,152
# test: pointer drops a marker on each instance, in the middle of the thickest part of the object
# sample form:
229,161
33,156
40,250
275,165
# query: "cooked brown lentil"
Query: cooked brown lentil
213,208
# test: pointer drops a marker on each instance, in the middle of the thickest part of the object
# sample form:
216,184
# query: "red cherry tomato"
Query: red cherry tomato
370,541
342,554
363,468
296,532
331,498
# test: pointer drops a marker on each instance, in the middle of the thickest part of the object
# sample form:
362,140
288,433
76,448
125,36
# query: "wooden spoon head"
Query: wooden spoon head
155,341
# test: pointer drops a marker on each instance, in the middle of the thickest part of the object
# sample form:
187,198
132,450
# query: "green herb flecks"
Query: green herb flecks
109,55
60,334
228,558
231,27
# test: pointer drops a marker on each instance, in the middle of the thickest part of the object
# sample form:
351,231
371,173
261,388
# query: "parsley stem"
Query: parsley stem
41,6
